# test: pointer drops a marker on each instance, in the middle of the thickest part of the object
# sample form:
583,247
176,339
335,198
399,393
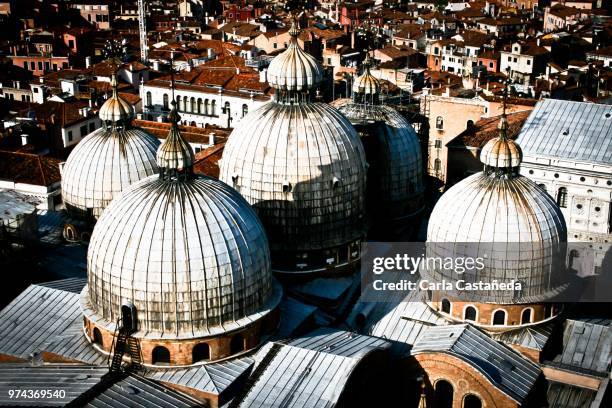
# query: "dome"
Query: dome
303,169
294,69
187,251
393,152
116,109
509,218
105,162
192,257
366,83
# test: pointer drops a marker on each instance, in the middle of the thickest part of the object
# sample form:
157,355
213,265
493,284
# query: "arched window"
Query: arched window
443,395
499,318
226,108
470,313
472,401
97,337
573,256
245,110
185,104
469,124
200,352
178,103
199,106
213,108
166,101
548,311
237,344
149,99
562,197
542,186
206,103
446,306
193,105
526,316
161,355
439,122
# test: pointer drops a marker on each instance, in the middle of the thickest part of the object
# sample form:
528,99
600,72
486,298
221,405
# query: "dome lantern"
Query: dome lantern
294,74
175,156
366,88
116,111
502,154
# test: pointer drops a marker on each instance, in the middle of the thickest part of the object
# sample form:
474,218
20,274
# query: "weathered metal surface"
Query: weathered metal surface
587,346
576,131
506,369
37,316
211,378
65,382
569,396
302,167
136,391
534,337
310,371
190,254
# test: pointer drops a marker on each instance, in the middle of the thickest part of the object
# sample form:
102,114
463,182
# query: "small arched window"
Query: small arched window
542,186
149,99
178,103
161,355
526,316
185,104
237,344
206,103
213,108
499,318
470,313
97,337
472,401
469,124
199,106
226,108
573,256
193,105
439,122
200,352
166,101
446,306
245,110
443,395
562,197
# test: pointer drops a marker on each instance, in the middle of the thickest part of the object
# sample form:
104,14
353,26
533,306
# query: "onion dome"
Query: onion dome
107,161
187,251
175,153
294,69
116,109
509,217
366,84
501,152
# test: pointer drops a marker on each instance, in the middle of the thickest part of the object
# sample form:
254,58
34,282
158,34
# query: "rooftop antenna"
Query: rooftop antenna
142,26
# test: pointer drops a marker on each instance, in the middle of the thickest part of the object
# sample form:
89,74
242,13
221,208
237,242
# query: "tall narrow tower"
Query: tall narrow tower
142,25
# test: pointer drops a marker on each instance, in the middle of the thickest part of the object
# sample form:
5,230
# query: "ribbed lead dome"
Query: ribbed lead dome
175,153
188,252
303,169
294,69
366,83
501,152
105,163
508,217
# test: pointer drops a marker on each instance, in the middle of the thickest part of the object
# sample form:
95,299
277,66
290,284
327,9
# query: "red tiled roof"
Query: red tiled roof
29,168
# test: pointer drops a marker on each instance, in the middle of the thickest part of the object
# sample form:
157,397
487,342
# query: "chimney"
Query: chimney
87,62
211,139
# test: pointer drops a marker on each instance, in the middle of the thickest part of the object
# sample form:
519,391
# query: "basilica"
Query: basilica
244,291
